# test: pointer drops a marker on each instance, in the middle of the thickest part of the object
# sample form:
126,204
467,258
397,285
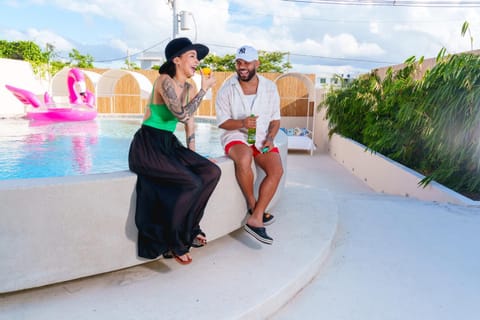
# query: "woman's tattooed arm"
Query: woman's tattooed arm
191,142
190,133
174,103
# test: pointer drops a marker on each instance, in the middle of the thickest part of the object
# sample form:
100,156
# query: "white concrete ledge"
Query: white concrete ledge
387,176
223,280
59,229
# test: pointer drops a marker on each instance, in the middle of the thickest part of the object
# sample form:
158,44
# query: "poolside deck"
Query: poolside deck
370,256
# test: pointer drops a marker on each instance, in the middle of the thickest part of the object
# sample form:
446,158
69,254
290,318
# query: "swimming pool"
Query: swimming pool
64,228
33,149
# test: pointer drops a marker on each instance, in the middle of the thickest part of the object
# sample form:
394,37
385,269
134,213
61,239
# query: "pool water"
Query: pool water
32,149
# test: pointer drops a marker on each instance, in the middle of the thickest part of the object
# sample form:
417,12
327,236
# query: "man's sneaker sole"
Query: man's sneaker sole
258,233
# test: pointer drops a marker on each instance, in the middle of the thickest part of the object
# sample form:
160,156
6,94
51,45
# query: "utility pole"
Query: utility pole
180,18
173,5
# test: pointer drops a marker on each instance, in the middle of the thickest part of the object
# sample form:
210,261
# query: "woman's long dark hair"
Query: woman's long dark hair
168,68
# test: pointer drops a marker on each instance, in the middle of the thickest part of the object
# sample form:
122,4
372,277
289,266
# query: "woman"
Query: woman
174,183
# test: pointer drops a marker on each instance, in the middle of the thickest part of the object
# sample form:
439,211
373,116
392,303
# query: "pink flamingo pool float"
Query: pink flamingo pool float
80,108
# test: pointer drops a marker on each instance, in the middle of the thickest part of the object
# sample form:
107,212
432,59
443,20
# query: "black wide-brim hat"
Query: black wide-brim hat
179,46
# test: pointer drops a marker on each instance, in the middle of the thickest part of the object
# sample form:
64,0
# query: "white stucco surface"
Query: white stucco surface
341,251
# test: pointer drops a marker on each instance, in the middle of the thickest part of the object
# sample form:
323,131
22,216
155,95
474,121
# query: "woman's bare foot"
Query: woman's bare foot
200,240
183,259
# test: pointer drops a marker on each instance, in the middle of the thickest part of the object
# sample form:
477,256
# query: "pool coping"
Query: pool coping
63,228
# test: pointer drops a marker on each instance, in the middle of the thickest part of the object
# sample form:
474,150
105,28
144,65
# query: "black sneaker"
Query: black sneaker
259,233
268,218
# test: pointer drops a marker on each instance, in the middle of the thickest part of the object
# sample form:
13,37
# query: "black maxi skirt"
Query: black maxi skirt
173,186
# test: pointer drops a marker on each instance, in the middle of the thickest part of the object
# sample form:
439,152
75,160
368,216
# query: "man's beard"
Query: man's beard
249,77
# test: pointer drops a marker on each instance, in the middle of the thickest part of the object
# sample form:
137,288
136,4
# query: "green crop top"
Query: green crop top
160,116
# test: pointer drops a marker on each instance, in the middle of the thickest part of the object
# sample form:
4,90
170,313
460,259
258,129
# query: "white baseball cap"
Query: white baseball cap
247,53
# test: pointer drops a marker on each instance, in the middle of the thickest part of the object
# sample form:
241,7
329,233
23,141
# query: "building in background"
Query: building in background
326,80
150,59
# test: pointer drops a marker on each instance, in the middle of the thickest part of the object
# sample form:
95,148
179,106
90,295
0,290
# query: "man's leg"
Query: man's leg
271,164
242,157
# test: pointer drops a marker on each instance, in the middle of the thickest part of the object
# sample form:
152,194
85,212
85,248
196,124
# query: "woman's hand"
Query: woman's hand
208,80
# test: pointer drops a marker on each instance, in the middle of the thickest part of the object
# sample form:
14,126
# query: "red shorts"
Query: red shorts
255,151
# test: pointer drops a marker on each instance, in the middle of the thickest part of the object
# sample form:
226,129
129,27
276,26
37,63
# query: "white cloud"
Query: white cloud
374,27
330,70
87,7
40,37
314,32
119,44
345,45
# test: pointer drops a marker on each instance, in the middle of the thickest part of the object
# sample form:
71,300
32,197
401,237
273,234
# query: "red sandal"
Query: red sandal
183,262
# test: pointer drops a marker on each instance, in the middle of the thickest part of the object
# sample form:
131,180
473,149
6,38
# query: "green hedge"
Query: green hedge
431,125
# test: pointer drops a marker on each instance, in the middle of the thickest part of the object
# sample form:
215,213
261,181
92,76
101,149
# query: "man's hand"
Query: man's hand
267,144
250,122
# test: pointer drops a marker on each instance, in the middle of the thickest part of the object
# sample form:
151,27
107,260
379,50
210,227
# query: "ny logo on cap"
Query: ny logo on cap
242,50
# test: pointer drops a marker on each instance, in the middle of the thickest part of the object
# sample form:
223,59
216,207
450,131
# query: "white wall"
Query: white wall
387,176
19,74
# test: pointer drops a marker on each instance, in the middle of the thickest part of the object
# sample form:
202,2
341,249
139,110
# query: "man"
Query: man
246,101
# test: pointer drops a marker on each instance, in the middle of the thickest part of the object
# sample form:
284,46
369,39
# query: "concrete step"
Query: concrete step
233,277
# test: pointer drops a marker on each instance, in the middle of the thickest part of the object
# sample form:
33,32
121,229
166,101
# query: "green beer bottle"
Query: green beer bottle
251,133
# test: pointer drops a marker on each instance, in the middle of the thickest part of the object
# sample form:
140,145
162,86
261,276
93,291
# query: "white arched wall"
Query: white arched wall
309,123
109,79
59,88
306,81
20,74
17,73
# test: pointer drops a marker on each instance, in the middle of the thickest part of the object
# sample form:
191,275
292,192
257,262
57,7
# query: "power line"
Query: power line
395,3
342,59
290,53
134,54
314,56
345,20
438,3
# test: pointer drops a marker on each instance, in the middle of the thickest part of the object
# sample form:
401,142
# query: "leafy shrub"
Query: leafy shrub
350,106
453,105
431,125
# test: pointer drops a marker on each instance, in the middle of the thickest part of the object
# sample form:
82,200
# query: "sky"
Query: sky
319,36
